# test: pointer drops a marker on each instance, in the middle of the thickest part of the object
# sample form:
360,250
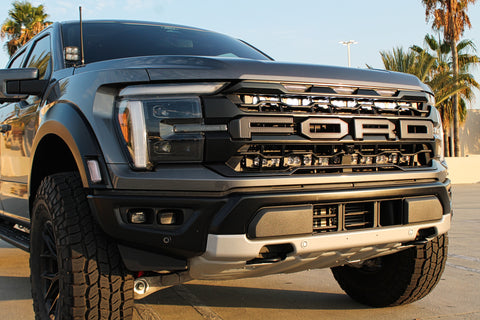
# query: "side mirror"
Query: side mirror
18,84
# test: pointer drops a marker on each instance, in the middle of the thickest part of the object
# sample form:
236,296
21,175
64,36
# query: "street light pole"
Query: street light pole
348,43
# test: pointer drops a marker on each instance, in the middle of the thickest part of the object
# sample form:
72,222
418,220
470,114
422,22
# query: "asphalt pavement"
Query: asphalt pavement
306,295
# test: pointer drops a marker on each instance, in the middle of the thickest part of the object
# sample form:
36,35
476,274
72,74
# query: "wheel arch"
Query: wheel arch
64,142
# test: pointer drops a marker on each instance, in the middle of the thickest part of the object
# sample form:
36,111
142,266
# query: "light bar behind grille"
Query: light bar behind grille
329,105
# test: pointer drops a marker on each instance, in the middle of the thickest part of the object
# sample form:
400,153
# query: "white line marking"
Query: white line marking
196,303
464,257
145,312
463,268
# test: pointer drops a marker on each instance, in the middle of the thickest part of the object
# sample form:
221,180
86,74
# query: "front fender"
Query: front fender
65,121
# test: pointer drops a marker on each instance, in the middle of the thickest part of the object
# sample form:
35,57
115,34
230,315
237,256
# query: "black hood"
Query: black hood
178,68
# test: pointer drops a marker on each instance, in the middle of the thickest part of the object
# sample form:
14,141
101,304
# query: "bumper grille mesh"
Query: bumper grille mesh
357,215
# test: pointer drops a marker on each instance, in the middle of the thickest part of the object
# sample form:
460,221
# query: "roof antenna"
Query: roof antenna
81,37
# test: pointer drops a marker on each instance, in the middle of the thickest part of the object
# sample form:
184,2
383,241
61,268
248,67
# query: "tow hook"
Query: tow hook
145,286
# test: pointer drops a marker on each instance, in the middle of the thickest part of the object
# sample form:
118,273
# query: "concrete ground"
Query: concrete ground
306,295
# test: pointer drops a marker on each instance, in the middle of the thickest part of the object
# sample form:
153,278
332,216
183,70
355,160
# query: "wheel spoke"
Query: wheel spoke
48,256
49,271
52,290
53,308
49,241
49,276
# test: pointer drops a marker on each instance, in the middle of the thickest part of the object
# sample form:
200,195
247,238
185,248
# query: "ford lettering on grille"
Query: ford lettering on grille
331,128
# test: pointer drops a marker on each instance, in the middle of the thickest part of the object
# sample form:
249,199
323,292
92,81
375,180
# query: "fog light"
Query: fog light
137,217
170,217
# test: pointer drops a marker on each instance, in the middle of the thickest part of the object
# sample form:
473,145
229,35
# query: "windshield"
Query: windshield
113,40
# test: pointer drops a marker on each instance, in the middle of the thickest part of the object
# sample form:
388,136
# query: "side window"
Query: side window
41,58
17,62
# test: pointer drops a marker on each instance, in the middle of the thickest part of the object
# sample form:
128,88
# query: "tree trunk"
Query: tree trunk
446,142
456,137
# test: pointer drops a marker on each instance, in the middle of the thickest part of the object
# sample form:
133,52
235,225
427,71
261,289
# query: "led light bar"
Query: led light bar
311,160
201,88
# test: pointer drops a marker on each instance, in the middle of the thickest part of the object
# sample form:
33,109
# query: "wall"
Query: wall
464,169
470,134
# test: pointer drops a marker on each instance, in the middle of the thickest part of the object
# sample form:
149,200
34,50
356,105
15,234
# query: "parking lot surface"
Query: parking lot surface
306,295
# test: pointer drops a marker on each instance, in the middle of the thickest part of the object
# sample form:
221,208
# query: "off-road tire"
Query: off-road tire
396,279
76,271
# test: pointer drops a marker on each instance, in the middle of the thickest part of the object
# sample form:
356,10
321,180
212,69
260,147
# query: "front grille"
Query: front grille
316,158
284,129
283,103
357,215
325,218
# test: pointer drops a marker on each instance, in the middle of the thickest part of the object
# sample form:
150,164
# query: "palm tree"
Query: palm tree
432,66
24,22
440,80
451,17
419,64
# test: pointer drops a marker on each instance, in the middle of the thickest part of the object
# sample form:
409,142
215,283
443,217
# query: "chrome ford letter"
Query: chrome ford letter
324,128
416,129
244,127
374,126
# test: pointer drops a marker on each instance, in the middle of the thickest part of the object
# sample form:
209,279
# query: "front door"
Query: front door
21,120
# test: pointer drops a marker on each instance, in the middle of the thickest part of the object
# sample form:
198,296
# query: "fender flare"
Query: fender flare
68,123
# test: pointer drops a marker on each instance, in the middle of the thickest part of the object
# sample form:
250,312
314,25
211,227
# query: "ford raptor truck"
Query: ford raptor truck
137,156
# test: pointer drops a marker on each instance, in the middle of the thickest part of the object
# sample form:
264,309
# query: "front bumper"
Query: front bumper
229,256
230,214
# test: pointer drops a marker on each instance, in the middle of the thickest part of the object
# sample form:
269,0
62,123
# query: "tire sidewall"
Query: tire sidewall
41,215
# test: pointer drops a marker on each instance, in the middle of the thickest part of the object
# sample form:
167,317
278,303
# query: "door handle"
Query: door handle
5,127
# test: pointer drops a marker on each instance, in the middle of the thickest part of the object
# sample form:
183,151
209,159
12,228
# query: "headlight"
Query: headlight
164,129
437,133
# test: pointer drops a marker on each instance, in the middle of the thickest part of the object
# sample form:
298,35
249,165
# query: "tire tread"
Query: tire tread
96,284
415,272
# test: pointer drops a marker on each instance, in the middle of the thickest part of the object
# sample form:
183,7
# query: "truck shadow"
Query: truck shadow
14,288
241,297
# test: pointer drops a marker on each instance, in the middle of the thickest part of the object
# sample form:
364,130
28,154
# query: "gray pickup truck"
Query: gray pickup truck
142,155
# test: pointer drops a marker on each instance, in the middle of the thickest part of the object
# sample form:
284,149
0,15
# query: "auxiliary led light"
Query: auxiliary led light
405,159
366,160
354,159
72,54
294,161
381,159
307,160
393,158
323,161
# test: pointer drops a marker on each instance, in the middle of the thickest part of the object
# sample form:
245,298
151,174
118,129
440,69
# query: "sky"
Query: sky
305,31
